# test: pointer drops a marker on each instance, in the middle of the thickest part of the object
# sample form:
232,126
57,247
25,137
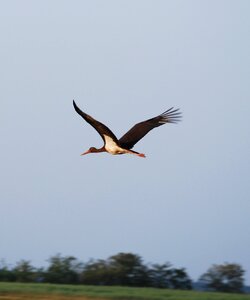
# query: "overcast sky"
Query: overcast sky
123,62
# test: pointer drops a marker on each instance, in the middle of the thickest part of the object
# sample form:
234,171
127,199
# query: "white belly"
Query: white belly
112,147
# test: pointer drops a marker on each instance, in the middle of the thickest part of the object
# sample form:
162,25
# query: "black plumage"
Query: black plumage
129,139
138,131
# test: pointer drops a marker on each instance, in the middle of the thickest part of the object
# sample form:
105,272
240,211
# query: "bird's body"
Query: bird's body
124,145
112,147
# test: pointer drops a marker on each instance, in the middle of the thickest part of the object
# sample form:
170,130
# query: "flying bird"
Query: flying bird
124,145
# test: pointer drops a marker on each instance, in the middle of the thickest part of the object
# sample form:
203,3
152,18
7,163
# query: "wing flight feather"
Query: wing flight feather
138,131
99,127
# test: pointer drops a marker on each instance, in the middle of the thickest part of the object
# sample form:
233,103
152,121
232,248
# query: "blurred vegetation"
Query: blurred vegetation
14,291
224,278
123,269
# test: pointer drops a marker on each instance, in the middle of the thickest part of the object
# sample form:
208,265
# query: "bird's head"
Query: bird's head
90,150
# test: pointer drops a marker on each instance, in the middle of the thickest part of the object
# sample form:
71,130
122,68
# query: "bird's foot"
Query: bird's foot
141,155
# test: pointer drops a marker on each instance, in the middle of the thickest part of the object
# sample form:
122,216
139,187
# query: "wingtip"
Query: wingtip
172,115
74,104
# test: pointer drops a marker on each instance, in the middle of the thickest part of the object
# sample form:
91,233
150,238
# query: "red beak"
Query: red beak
86,152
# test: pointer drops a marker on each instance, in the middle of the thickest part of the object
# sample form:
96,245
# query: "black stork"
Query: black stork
124,145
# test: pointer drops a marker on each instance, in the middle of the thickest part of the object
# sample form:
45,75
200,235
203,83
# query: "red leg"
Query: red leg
136,153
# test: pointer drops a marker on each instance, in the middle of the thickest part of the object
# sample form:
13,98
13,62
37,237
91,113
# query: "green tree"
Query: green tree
164,276
98,273
24,271
129,270
63,270
5,273
180,280
125,269
224,278
160,275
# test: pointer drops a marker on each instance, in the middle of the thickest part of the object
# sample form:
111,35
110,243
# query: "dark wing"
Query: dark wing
141,129
99,127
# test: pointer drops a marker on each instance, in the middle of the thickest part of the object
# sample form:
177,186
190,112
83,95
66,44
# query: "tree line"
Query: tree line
123,269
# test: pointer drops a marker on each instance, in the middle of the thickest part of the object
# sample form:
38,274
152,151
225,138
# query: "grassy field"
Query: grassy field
19,291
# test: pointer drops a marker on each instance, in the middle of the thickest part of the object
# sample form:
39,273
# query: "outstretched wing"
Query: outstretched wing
102,129
141,129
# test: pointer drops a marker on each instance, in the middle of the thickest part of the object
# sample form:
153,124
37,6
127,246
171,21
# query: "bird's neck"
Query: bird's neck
100,150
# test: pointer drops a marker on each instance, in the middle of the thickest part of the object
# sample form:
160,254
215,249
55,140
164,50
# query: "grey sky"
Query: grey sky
123,62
